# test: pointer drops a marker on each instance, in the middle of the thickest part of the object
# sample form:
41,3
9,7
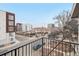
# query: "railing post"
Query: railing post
42,46
15,52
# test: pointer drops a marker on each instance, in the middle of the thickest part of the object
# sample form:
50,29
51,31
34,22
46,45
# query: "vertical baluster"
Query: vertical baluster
18,51
15,52
29,49
74,49
65,49
11,53
50,47
22,50
77,48
62,48
42,46
45,53
26,50
47,47
70,49
57,49
53,46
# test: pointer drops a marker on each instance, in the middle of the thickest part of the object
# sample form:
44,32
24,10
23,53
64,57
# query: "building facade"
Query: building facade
29,27
75,16
20,27
7,27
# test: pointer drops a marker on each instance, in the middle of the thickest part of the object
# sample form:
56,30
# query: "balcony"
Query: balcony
43,47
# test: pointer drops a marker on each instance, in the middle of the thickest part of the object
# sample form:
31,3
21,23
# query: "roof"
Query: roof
18,23
75,11
7,11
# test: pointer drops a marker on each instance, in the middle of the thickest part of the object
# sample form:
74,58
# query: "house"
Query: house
75,15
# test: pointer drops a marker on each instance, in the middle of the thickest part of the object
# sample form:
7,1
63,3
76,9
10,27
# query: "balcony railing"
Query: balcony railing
43,47
63,48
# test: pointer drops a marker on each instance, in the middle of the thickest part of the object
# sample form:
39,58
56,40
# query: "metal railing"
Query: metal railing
43,47
63,48
33,47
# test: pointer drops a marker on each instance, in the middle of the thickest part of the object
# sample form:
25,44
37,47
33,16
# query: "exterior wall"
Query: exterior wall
18,27
2,27
77,47
24,28
29,27
78,26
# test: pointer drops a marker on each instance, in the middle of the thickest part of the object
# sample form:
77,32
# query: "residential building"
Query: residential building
21,27
29,27
51,26
75,15
18,27
24,27
7,27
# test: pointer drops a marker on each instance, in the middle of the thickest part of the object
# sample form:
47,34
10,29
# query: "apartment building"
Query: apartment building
20,27
29,27
7,27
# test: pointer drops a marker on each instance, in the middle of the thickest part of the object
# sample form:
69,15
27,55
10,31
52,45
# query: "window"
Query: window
10,17
11,28
11,23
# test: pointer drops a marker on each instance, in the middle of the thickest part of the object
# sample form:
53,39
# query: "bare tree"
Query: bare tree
69,27
72,27
62,18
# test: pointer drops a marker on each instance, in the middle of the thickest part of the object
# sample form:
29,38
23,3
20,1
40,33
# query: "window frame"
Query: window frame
8,20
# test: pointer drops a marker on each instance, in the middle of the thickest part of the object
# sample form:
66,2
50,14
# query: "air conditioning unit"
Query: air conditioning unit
11,35
11,39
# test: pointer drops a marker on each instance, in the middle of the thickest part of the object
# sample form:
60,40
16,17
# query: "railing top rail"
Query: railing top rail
60,41
68,42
